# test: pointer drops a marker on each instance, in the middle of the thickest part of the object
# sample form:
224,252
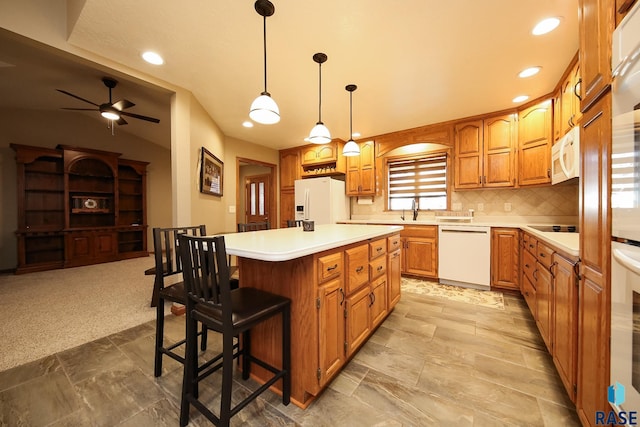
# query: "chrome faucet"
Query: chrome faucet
414,209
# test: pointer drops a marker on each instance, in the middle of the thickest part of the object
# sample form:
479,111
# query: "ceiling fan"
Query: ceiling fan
111,110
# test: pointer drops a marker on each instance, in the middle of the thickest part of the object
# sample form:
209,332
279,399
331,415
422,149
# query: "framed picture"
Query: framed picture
211,173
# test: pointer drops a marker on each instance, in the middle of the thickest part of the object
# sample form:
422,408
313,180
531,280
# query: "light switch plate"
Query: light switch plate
232,209
507,207
480,207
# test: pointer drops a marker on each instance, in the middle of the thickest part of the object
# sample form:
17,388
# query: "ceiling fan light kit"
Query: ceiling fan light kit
320,133
351,148
113,111
264,109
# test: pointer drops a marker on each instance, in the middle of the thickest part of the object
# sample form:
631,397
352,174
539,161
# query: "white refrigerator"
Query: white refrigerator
322,200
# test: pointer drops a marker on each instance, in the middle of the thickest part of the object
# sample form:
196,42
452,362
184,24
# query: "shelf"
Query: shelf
89,211
43,190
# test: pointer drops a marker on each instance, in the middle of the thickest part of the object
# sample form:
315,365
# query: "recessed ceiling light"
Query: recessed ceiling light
545,26
152,58
247,124
520,98
528,72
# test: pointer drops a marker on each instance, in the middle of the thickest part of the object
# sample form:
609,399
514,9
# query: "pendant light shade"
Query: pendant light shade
264,109
351,148
320,133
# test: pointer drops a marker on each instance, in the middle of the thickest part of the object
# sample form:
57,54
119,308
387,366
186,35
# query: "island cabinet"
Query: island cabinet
338,298
550,288
394,267
420,251
78,206
505,258
535,139
485,152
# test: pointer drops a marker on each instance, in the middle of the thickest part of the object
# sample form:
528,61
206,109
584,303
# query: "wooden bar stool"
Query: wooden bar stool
210,300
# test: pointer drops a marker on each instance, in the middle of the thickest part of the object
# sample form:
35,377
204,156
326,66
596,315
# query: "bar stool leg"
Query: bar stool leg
157,370
189,385
227,379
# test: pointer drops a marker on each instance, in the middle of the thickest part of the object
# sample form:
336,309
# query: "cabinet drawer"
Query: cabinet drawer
544,254
530,243
420,231
357,267
377,248
528,265
377,267
393,243
329,266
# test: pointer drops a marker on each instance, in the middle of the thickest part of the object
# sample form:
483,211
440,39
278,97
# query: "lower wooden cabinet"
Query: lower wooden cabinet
394,284
378,296
505,258
287,207
565,331
358,319
544,304
331,328
90,247
420,251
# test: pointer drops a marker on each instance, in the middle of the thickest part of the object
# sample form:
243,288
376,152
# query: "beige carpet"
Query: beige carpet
46,312
483,298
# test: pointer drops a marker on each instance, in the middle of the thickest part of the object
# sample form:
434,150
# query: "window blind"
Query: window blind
423,180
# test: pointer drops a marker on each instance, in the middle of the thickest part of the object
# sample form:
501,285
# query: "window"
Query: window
421,180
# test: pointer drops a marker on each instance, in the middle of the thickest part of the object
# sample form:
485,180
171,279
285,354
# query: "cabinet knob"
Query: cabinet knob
359,269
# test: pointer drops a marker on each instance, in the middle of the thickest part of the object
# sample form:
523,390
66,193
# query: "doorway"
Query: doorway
256,193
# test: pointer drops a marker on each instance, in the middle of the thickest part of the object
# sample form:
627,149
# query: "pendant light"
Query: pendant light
264,109
319,134
351,148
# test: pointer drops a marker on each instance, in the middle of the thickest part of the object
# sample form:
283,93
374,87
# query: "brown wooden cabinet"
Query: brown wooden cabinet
290,168
78,206
314,155
565,330
485,153
420,251
505,258
544,303
570,100
394,261
594,316
595,22
534,144
361,177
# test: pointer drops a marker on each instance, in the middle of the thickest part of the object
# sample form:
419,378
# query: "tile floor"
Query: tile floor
432,362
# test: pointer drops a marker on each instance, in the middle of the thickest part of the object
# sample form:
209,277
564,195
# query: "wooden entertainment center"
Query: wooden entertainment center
78,206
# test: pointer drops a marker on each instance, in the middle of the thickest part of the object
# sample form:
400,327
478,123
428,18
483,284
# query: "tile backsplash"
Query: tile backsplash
557,200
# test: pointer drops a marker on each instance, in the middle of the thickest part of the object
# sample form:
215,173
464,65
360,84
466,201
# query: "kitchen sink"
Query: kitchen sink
555,228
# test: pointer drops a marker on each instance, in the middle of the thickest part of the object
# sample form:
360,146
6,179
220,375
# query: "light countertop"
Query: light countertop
565,242
283,244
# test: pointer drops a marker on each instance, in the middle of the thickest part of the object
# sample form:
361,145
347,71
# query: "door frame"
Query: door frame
273,205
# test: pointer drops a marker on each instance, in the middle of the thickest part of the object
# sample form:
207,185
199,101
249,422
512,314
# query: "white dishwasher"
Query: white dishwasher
464,255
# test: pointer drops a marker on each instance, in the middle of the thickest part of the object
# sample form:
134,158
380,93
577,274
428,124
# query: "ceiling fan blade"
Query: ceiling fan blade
121,121
77,97
138,116
80,109
123,104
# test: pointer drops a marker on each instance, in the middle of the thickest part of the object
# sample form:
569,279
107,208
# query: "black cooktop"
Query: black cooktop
556,228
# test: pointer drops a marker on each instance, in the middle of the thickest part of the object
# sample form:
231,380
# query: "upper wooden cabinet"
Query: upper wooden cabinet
485,152
313,155
570,101
361,177
596,21
289,168
534,144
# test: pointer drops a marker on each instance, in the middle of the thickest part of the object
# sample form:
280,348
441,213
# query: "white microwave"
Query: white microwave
565,157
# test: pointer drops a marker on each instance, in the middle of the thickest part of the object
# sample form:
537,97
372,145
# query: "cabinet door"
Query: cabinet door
534,141
289,168
565,323
529,294
468,170
420,256
287,207
378,298
358,319
367,169
595,231
394,285
595,22
499,151
505,255
544,303
567,105
353,175
332,328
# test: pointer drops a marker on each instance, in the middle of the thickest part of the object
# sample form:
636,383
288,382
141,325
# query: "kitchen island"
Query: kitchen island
343,280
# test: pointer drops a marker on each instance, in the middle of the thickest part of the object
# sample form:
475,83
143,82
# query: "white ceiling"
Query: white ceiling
415,62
